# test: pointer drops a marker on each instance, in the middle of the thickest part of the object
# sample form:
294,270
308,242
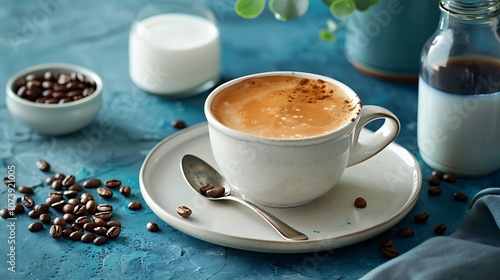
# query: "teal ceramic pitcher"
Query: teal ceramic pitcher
386,40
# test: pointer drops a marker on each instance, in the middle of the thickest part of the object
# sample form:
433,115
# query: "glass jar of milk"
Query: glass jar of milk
174,49
459,90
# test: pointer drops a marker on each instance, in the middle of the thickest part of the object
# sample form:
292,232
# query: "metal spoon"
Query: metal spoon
197,173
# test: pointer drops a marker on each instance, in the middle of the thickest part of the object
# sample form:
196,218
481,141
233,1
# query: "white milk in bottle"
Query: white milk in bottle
458,127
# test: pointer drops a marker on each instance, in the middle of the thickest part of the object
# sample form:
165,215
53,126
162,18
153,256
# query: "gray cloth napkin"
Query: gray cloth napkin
471,252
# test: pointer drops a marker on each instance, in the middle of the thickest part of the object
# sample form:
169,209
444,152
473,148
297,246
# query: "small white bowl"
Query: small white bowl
55,119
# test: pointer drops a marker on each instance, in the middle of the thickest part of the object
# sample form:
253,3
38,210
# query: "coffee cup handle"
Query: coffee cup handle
361,151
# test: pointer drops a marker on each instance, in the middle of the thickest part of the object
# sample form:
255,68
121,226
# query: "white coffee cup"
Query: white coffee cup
292,172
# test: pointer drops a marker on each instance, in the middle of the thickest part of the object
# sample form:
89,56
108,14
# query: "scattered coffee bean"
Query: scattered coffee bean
68,180
59,221
70,194
92,183
100,222
390,252
178,124
100,240
215,192
440,229
105,193
88,237
114,223
135,205
82,220
77,227
113,232
49,180
69,218
103,215
434,190
406,232
56,231
449,178
184,211
57,185
42,207
28,201
53,199
438,173
360,202
79,210
434,180
45,218
460,196
68,208
35,214
36,226
100,230
58,205
18,209
85,197
113,183
152,226
67,231
25,190
43,165
75,187
91,207
6,213
387,243
57,193
104,207
8,181
74,201
125,190
76,235
421,217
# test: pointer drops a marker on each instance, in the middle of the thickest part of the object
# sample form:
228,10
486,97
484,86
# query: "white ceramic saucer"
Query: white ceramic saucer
390,182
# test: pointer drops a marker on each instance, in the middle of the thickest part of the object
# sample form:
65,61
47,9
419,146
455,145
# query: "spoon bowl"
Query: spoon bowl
198,173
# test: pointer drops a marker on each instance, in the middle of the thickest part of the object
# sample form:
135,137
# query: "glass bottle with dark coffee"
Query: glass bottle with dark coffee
459,89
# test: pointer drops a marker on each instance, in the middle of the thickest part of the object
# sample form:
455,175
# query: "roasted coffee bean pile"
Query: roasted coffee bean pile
54,87
435,181
77,215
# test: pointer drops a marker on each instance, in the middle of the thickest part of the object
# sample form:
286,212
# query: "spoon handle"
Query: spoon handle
281,227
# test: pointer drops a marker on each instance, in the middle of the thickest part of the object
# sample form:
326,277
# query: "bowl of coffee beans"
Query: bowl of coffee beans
54,99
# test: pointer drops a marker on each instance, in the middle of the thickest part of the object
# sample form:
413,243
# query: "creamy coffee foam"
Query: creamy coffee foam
284,107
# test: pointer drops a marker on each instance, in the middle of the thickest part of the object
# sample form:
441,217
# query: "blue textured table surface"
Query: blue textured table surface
94,34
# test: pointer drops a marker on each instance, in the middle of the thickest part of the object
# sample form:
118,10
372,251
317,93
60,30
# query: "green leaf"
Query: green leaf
363,5
327,35
341,9
288,9
327,2
249,8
